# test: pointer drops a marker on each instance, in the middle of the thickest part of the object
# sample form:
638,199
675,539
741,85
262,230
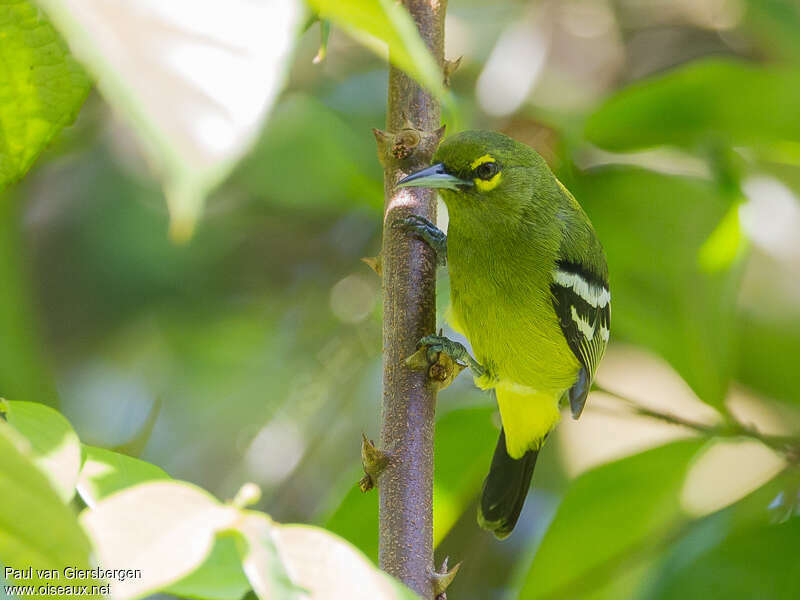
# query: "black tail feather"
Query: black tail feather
505,489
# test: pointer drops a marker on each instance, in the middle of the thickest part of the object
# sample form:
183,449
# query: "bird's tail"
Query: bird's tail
505,489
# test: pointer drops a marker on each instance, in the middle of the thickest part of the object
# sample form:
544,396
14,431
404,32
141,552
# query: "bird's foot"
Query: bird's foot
455,350
427,232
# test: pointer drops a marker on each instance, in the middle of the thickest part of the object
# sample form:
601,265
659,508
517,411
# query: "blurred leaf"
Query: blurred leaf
653,228
105,472
610,513
38,530
768,357
330,568
261,560
389,22
702,103
281,170
54,444
220,577
41,87
776,22
760,562
465,441
164,528
217,68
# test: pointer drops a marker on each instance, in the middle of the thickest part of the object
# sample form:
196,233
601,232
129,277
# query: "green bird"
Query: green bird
528,289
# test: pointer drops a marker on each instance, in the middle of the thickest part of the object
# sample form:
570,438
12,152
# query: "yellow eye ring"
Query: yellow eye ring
487,171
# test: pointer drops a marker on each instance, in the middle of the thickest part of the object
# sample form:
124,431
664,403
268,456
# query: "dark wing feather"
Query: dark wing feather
582,304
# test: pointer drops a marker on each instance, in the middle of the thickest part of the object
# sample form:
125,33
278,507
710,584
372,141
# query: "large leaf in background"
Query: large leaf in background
37,529
704,102
617,510
465,440
776,23
653,227
390,22
41,87
195,80
768,357
54,444
759,562
281,170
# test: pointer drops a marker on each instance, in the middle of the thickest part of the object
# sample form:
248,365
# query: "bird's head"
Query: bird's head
482,175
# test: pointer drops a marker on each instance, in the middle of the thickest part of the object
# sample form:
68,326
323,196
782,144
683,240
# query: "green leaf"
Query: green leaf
37,529
349,176
655,229
389,22
220,577
699,104
609,514
165,529
54,444
760,562
218,71
768,356
775,23
105,472
41,87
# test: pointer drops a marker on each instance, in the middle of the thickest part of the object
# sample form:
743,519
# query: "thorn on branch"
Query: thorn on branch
374,462
375,263
450,67
443,578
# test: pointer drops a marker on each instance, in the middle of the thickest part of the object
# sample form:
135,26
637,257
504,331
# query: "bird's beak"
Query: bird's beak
433,177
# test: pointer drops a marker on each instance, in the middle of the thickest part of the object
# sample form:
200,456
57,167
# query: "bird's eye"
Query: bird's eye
486,170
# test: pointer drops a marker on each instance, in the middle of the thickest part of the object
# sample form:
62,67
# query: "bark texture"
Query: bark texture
409,313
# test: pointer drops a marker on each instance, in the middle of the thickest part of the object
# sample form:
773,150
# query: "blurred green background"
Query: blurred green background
256,347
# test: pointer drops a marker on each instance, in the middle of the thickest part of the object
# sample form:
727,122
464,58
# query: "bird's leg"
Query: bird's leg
427,232
455,350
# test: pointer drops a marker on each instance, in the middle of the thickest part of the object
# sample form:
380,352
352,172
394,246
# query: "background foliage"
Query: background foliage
253,352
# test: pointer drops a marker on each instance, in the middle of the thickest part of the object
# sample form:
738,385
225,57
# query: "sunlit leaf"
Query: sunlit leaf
105,472
389,22
609,515
37,530
194,80
165,529
702,103
41,87
54,444
330,568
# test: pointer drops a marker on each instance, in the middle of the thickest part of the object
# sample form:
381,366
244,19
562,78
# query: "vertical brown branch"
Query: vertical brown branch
409,313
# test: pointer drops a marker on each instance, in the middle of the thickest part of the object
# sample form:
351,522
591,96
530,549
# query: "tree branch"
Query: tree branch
409,313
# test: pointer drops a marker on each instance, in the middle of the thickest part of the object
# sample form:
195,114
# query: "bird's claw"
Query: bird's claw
435,344
427,232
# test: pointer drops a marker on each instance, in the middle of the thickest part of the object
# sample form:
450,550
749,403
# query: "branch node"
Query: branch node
441,371
450,67
407,144
374,462
443,578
